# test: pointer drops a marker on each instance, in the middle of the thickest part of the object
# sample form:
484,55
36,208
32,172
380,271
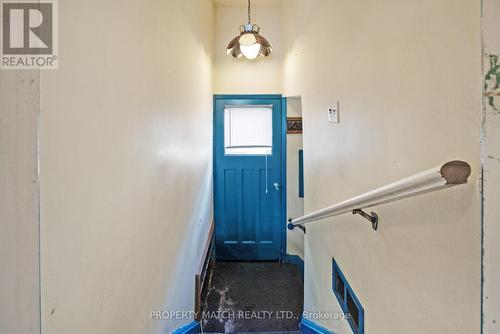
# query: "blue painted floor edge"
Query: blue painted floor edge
193,327
295,259
309,327
306,327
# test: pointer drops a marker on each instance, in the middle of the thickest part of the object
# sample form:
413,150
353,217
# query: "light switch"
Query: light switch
333,113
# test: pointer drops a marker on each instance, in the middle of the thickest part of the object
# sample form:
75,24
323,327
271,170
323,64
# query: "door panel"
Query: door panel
248,206
248,212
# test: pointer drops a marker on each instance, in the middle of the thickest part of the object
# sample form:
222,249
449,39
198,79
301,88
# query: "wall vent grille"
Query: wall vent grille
347,299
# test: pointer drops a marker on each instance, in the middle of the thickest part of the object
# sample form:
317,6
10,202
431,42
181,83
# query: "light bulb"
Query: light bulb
250,51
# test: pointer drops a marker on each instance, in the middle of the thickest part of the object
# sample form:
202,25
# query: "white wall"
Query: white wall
19,228
406,74
241,76
491,171
126,137
295,204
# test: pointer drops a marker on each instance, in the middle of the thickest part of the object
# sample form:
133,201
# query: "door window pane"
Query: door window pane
248,130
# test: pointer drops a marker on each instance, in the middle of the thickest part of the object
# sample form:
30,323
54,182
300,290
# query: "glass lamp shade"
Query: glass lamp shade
247,38
249,44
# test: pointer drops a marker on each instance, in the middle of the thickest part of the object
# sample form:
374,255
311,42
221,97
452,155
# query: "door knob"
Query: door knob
276,186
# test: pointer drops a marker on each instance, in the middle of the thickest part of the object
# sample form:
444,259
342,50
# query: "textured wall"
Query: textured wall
126,159
407,75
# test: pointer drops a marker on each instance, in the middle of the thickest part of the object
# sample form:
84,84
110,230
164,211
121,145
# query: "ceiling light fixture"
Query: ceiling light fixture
249,43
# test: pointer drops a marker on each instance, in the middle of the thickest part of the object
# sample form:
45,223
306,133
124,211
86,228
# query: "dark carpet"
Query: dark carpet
244,297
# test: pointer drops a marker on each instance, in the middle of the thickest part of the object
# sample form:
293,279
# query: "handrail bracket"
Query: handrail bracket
292,226
372,217
302,227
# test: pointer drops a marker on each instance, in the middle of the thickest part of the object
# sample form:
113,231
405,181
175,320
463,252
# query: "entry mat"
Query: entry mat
252,297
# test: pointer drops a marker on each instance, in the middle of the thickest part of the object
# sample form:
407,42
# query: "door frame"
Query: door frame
219,97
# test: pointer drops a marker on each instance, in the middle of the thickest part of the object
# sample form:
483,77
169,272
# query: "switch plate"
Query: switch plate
333,113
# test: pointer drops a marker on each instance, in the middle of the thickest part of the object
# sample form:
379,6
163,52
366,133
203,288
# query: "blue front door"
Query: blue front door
248,178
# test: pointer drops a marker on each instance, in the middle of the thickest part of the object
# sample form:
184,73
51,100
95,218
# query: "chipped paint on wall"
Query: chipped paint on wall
490,310
492,82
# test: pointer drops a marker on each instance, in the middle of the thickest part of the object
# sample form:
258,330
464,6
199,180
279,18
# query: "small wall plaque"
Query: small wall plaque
294,125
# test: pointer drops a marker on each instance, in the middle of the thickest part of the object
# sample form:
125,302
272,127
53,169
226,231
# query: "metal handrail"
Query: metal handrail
446,175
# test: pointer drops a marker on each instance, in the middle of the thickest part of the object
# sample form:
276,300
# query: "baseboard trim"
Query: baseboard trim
297,260
193,327
309,327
